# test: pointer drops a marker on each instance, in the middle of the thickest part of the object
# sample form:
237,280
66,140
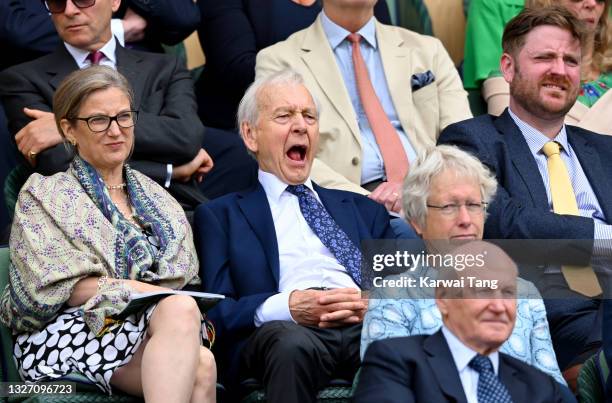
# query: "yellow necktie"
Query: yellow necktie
579,279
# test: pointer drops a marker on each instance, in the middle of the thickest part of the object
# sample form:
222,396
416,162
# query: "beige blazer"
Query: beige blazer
598,118
423,113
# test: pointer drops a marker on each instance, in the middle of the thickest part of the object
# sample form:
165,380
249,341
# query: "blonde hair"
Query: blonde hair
602,52
79,85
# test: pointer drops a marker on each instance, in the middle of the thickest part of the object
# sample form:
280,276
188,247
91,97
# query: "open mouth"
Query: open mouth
297,152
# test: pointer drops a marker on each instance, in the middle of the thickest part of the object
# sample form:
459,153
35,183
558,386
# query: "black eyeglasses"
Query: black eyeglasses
58,6
101,123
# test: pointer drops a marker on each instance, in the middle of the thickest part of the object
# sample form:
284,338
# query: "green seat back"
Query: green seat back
590,389
413,15
12,185
9,371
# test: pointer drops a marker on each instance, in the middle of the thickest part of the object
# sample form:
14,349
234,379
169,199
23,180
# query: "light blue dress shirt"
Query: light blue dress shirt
372,167
588,205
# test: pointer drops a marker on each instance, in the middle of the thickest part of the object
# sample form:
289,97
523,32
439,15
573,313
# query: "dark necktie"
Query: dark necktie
490,388
330,234
95,57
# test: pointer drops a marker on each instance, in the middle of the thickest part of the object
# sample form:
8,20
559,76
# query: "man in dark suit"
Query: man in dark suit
286,254
168,133
461,362
541,62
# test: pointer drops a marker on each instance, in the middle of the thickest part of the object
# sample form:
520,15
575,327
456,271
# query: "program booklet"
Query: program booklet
140,301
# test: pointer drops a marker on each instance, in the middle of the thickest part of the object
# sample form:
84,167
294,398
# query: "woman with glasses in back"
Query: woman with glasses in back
445,196
84,240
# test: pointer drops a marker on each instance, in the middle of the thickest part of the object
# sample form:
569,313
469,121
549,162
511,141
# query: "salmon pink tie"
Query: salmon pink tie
387,138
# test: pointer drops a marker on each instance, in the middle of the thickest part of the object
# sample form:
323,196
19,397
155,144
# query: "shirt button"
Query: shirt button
355,161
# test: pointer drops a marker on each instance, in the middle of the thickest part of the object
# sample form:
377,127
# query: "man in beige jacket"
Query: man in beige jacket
414,80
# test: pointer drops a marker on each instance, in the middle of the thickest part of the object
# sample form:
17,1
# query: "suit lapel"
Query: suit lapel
443,366
129,63
61,63
522,159
340,209
397,63
591,165
256,210
320,60
508,376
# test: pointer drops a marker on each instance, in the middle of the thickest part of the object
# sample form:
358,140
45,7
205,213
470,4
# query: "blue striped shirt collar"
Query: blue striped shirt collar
535,138
336,34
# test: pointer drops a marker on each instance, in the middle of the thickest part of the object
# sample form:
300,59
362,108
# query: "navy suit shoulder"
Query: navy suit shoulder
520,208
421,369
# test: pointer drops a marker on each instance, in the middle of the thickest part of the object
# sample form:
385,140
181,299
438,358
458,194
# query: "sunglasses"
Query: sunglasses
58,6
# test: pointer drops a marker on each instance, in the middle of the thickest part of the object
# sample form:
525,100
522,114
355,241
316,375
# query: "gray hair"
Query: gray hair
250,105
432,163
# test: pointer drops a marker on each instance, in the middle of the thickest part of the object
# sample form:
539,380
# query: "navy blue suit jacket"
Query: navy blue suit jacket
520,208
238,250
422,369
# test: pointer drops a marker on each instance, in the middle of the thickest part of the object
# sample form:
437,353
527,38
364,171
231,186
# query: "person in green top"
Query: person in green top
485,25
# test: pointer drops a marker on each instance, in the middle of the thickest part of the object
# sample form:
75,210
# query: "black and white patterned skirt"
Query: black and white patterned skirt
66,345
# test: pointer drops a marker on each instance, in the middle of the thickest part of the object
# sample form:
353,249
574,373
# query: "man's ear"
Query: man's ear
249,136
507,67
115,5
441,302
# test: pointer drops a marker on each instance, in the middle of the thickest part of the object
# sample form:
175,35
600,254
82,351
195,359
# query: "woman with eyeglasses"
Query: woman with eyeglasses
445,196
84,240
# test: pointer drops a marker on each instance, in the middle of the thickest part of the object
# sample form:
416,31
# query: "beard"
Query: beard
527,93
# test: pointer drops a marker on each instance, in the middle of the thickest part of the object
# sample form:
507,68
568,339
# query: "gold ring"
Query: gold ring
32,154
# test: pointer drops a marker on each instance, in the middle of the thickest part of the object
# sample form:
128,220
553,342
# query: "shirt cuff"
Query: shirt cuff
168,176
118,31
275,307
602,239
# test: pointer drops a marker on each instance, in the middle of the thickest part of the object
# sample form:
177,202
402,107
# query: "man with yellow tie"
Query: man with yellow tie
555,180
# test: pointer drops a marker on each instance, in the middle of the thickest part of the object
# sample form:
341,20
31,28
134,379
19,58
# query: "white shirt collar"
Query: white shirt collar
336,34
80,55
462,354
274,187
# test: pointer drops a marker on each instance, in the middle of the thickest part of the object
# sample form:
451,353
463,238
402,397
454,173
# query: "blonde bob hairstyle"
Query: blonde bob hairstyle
79,85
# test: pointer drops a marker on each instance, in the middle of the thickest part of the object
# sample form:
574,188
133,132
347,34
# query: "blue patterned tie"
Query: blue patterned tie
330,234
490,388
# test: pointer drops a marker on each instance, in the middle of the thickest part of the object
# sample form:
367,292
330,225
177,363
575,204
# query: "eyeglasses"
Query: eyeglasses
452,209
101,123
58,6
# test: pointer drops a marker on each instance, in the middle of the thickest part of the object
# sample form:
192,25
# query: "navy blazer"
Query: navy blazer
236,243
520,208
422,369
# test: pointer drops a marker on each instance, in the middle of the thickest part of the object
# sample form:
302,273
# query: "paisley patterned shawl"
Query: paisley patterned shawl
66,228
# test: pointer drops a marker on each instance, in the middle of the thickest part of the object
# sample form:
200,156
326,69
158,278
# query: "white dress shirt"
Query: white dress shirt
80,55
304,262
462,355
